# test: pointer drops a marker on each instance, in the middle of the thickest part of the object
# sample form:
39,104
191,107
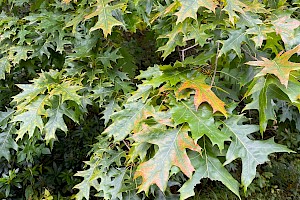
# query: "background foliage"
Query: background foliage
149,99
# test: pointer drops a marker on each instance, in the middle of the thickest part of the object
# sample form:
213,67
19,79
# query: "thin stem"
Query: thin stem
179,52
228,75
126,144
216,64
182,56
188,48
253,57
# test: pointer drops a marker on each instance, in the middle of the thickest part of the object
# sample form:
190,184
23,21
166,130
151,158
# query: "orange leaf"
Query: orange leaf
204,94
280,66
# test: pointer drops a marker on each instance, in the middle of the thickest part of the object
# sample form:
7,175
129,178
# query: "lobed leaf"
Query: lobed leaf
172,145
252,152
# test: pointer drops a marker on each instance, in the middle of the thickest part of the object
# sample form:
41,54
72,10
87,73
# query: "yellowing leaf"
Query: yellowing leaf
189,8
285,27
172,145
204,94
68,92
30,91
68,1
105,19
280,66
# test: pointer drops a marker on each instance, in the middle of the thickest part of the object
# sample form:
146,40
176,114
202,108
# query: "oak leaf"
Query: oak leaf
204,94
251,152
189,8
280,66
7,142
31,119
201,122
208,166
285,27
105,19
234,42
172,145
233,6
125,120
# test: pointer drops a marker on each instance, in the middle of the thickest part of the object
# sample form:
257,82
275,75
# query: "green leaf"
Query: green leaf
201,122
263,91
189,8
198,33
263,103
125,120
255,27
172,146
174,37
7,142
56,121
108,56
18,53
30,91
90,180
236,38
109,110
273,42
159,75
260,34
292,91
79,16
113,184
143,92
4,67
252,152
67,92
105,19
208,166
4,117
31,119
233,6
199,60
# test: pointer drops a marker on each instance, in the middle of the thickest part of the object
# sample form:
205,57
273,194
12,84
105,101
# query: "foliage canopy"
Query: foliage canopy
178,90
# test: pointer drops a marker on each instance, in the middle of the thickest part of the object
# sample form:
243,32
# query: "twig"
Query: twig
183,50
126,144
216,64
179,52
253,57
189,47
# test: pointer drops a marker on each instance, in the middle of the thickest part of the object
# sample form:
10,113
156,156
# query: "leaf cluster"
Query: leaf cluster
163,94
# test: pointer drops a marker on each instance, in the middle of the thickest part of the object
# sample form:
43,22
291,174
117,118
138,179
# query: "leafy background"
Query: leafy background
149,99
